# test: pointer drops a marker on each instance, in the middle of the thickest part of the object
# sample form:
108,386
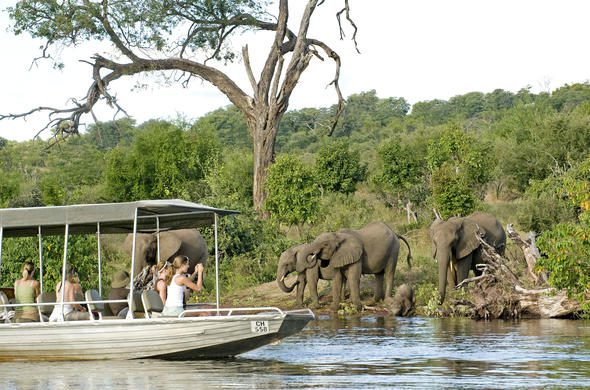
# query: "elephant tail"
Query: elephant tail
409,258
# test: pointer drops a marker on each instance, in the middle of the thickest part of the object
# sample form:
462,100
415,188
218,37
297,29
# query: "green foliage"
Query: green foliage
73,173
163,162
82,254
567,245
338,168
460,165
402,170
451,193
147,23
230,181
365,111
570,96
228,125
293,195
107,135
9,187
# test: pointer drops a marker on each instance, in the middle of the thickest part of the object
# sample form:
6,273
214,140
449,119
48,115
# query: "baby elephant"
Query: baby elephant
403,301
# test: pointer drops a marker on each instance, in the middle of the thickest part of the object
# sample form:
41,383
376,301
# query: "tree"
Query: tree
180,39
338,168
402,170
293,196
162,162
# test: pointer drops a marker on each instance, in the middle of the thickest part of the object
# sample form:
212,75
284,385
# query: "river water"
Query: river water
360,353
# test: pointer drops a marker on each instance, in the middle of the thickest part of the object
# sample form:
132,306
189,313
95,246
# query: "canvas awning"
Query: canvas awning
113,217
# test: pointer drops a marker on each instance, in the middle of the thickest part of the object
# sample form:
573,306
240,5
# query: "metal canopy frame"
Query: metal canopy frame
108,218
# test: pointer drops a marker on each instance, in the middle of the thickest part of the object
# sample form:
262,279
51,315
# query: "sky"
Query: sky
419,49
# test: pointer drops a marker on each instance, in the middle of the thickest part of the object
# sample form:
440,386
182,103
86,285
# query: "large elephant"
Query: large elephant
187,242
456,248
306,275
371,250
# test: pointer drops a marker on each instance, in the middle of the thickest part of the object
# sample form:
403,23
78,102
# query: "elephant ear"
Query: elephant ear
169,245
349,251
467,240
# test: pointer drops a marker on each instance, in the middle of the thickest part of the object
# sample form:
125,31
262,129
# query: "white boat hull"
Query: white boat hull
166,338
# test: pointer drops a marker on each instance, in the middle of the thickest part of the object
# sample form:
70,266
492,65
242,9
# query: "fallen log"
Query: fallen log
499,293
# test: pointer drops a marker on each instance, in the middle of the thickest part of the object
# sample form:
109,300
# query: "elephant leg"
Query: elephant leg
300,289
390,274
312,275
476,259
463,267
353,274
378,287
336,289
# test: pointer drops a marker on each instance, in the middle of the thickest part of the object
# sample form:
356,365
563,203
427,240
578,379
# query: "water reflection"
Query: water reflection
374,352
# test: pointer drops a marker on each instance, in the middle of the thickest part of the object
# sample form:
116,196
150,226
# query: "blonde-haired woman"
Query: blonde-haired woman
161,287
26,290
71,312
178,282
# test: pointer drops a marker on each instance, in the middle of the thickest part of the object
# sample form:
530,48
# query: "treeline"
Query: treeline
531,151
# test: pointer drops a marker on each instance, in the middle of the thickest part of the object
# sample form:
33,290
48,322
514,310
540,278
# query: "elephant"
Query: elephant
403,301
373,249
288,263
456,248
187,242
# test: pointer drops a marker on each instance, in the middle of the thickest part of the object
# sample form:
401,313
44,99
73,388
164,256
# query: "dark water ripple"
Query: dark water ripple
368,353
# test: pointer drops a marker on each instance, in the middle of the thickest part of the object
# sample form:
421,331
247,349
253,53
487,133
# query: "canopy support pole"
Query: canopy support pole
216,265
130,298
158,240
1,237
63,273
99,259
40,259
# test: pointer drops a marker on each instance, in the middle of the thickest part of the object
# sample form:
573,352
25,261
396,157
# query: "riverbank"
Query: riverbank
269,294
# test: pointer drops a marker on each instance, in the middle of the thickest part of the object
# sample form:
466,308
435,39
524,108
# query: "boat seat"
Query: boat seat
6,315
95,308
45,311
152,304
137,305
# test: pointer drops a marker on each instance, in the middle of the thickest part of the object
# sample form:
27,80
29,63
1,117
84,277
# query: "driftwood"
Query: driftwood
499,293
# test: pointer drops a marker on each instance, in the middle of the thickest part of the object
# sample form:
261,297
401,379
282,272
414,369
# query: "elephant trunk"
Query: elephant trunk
443,266
281,275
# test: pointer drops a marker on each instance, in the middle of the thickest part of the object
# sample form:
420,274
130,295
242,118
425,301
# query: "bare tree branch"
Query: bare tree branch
246,57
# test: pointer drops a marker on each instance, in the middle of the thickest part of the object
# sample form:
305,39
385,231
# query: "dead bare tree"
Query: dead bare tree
499,293
142,36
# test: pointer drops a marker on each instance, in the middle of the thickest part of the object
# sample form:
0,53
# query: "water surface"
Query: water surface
364,353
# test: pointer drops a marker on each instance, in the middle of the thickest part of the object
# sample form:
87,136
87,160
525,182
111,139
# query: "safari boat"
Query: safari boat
216,332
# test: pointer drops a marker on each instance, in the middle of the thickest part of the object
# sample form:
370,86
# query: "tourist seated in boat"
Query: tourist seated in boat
119,290
178,281
71,312
161,287
26,290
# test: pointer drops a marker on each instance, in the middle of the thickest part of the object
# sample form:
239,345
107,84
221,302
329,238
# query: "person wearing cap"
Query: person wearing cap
119,290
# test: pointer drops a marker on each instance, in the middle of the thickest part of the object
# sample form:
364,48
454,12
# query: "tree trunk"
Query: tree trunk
264,131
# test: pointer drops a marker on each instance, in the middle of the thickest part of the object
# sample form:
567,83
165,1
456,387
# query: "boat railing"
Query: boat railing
223,312
233,311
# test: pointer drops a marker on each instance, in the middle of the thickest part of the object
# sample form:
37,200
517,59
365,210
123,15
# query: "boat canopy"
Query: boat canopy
108,217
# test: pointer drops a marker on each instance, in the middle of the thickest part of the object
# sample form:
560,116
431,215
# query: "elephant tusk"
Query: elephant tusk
283,278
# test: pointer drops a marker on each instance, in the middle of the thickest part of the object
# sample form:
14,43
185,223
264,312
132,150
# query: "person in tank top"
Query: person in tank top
161,287
71,312
26,290
178,282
